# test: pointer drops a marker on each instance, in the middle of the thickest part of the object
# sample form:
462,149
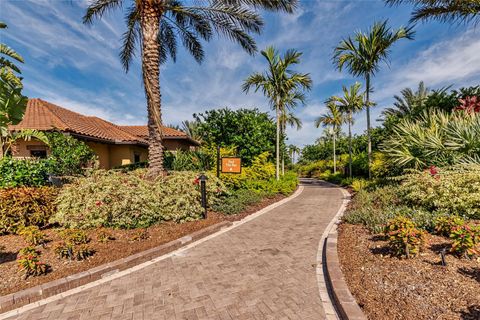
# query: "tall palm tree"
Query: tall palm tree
409,102
362,55
293,150
8,69
191,129
156,24
333,119
288,118
281,85
456,11
350,103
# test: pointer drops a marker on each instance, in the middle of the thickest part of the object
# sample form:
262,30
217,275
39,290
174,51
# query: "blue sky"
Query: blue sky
77,66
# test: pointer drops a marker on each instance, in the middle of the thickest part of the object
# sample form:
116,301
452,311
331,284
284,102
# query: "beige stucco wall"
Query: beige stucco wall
102,151
20,149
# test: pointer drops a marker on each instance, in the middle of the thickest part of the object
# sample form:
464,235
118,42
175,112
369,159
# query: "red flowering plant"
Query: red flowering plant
469,104
28,262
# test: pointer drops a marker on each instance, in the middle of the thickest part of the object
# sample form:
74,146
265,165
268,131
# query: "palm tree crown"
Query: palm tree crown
8,68
408,102
282,86
333,118
457,11
158,25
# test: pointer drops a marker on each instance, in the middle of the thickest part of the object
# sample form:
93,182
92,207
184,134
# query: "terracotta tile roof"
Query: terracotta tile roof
43,115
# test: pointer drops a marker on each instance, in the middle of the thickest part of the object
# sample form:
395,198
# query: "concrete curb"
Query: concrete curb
345,304
30,295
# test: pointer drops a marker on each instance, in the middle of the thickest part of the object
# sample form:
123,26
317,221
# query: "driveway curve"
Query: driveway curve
262,269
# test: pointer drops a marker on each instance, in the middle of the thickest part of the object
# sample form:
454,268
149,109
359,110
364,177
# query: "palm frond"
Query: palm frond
97,8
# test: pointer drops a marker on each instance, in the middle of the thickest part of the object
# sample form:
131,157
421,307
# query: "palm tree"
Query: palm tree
155,25
362,56
456,11
409,102
293,150
334,119
351,103
191,129
8,68
288,118
282,86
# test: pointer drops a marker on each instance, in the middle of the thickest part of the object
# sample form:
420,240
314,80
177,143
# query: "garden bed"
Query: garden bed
420,288
11,280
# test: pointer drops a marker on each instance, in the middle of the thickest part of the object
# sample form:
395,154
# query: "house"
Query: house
114,145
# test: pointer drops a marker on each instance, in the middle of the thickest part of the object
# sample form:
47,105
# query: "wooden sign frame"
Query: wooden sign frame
238,161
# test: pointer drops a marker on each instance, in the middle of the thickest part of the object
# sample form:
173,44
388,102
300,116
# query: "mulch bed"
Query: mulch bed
11,280
420,288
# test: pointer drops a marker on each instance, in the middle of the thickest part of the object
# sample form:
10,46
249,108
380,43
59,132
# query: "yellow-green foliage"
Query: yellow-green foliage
127,200
359,184
404,238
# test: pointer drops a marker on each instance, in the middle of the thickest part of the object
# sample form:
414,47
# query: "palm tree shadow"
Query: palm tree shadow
473,272
472,313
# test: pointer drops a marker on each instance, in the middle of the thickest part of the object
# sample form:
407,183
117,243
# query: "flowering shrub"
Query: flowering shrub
32,235
28,262
469,104
26,206
445,225
127,200
466,240
404,238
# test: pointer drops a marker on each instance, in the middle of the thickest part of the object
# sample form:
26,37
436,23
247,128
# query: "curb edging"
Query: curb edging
23,297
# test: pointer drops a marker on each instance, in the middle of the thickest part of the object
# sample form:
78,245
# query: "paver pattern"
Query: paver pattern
263,269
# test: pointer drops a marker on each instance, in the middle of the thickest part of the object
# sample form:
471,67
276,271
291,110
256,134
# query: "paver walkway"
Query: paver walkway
263,269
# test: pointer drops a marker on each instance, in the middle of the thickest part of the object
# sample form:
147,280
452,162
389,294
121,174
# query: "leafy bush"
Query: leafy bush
29,262
68,155
455,191
104,235
445,225
74,236
237,201
404,238
140,234
32,235
26,206
24,172
187,160
69,250
466,240
359,184
127,200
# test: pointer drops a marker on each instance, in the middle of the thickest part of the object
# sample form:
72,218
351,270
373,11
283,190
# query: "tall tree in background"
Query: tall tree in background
350,103
293,150
455,11
156,24
281,85
333,119
287,119
362,55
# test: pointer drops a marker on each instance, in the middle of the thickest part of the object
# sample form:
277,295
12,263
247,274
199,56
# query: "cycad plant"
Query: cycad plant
455,11
332,119
281,85
408,103
157,25
350,103
362,55
437,138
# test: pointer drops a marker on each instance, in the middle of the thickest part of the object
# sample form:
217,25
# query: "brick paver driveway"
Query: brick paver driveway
263,269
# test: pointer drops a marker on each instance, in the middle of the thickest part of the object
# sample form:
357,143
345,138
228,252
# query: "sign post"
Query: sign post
231,165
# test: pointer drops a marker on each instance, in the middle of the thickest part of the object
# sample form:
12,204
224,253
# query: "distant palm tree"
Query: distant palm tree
293,150
362,56
457,11
333,119
350,103
191,129
8,68
281,85
409,102
155,25
288,118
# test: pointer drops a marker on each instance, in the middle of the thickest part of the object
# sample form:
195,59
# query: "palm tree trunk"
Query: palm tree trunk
350,143
334,152
150,16
369,149
277,169
283,164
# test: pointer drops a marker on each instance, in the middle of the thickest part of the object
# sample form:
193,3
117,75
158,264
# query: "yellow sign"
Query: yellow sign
231,165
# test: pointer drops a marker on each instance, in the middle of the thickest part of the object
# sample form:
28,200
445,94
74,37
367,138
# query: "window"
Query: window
136,158
38,154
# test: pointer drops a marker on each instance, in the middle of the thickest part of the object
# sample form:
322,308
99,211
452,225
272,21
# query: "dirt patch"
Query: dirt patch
420,288
12,281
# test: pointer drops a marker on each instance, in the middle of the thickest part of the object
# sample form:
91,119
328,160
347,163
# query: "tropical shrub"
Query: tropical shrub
404,239
68,155
127,200
466,240
237,201
32,235
454,191
29,262
26,206
104,235
444,225
188,160
24,172
74,236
